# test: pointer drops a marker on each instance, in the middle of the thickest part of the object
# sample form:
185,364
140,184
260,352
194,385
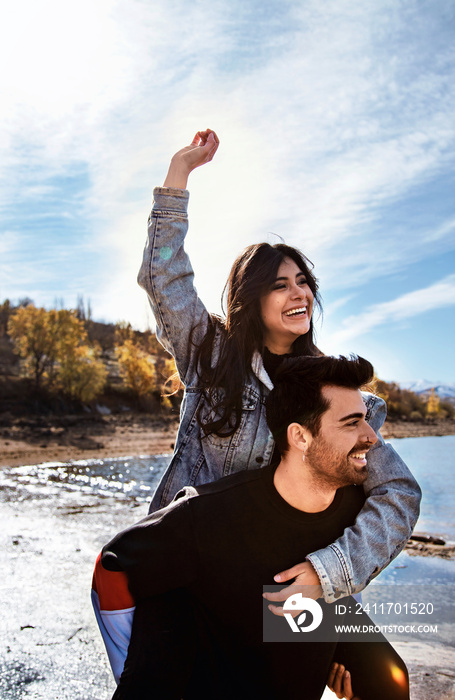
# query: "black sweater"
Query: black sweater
222,545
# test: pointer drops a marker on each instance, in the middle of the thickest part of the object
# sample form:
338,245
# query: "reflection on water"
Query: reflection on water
135,478
416,570
431,460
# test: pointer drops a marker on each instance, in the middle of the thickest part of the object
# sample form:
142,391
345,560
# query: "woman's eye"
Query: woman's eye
278,286
302,280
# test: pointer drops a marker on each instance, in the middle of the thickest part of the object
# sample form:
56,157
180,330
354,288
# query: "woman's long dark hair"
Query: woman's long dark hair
251,276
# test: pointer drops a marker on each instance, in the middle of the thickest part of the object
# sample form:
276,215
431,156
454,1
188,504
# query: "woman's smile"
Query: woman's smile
298,311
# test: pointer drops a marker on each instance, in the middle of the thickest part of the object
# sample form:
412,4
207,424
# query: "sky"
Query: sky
336,132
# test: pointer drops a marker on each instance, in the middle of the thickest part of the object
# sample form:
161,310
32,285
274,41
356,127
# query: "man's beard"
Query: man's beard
334,469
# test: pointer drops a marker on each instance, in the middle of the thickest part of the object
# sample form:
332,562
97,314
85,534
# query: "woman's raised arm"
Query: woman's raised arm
166,273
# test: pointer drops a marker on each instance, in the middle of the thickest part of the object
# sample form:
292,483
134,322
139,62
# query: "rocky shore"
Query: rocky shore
36,439
407,428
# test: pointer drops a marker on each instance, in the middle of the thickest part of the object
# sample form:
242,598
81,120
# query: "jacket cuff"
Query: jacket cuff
376,410
327,560
170,199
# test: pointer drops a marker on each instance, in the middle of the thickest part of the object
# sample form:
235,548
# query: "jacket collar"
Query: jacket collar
258,368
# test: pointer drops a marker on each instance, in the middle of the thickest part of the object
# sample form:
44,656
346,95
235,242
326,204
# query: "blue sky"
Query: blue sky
337,133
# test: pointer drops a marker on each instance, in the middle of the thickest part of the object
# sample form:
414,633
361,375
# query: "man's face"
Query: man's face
337,455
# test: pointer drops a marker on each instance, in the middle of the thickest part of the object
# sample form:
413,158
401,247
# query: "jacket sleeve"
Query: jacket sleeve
167,277
156,555
114,608
382,527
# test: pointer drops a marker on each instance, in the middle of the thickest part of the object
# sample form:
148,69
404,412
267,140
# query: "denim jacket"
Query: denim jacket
386,521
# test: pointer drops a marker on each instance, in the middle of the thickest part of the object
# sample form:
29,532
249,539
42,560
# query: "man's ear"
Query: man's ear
299,437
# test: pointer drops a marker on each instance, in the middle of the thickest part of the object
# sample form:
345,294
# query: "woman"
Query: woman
225,367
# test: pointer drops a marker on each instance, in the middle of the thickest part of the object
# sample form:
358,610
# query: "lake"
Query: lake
431,459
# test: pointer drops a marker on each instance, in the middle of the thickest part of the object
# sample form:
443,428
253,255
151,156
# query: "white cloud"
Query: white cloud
8,243
416,303
445,229
327,113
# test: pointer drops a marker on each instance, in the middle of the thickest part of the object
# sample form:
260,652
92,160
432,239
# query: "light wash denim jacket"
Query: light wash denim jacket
386,521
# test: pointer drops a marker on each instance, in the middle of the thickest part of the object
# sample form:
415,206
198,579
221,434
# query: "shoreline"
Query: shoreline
38,439
404,429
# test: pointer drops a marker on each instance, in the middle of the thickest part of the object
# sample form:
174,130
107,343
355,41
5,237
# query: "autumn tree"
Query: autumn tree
5,313
55,350
433,403
82,374
400,402
35,335
123,332
136,367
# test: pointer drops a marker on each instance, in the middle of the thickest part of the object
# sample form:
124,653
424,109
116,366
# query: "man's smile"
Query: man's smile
359,455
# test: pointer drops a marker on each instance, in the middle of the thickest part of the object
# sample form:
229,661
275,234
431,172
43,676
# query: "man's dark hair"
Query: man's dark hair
297,396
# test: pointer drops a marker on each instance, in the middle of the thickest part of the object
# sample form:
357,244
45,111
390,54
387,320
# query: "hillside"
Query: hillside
29,378
134,369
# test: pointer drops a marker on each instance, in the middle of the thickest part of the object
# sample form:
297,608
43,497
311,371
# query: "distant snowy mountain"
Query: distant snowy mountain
423,386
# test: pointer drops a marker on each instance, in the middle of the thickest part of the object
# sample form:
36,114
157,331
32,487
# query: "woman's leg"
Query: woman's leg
162,649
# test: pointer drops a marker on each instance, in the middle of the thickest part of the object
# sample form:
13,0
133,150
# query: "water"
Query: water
135,479
128,478
432,461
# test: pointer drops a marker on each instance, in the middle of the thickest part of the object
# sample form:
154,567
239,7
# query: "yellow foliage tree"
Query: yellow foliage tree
54,346
82,375
433,407
81,372
35,335
136,368
123,332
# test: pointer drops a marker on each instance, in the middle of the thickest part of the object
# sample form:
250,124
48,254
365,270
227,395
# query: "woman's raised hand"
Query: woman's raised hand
201,150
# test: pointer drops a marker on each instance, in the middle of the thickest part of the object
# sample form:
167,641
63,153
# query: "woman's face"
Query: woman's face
286,309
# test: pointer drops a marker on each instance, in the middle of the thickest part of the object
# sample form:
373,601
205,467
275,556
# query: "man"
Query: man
220,544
